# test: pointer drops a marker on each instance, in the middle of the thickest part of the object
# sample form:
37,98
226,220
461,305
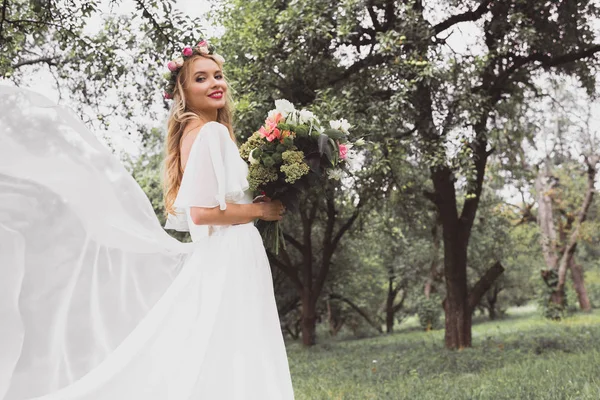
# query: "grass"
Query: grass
520,357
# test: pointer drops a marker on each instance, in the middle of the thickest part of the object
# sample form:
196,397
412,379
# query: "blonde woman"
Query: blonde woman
98,302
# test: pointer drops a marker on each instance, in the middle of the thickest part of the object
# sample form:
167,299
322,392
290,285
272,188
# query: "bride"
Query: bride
97,301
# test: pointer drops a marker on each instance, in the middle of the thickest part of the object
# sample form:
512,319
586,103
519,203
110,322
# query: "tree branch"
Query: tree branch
484,284
346,225
47,60
356,308
546,61
472,15
368,61
294,242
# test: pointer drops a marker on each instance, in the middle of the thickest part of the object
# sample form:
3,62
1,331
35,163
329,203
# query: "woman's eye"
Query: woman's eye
200,79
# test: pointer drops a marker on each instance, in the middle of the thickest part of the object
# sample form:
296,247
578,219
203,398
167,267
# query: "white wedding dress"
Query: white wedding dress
97,301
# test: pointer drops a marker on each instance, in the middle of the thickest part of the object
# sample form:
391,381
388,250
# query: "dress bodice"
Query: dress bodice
214,175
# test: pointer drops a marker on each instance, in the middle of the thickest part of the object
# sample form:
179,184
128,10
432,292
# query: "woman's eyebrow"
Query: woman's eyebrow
204,72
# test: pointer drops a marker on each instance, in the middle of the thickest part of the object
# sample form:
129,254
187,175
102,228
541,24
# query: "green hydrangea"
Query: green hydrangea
254,141
259,175
292,157
294,166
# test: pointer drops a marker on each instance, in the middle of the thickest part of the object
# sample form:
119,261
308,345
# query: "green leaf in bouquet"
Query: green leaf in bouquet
288,141
334,134
267,161
276,157
324,148
335,159
281,148
284,127
301,130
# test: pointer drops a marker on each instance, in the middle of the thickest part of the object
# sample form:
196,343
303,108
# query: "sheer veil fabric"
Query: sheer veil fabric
97,301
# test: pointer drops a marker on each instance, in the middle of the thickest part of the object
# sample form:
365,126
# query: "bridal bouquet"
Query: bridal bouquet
290,153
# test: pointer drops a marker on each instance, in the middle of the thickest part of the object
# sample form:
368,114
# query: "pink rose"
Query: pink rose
172,65
168,96
188,51
343,151
202,43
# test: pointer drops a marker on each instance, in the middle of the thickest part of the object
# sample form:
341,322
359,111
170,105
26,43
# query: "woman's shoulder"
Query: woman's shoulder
213,126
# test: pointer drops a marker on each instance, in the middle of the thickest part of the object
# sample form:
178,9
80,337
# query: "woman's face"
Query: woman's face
206,89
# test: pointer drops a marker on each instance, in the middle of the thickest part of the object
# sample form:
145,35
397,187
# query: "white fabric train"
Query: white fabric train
97,301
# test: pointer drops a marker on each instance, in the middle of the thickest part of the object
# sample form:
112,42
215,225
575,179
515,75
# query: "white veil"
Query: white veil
74,227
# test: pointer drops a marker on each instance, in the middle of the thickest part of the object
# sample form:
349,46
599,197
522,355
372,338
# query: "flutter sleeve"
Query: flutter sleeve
215,174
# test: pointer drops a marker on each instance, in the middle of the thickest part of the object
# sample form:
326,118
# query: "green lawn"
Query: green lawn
521,357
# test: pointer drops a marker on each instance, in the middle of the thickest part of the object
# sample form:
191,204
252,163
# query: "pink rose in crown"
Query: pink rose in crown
172,65
202,43
343,151
168,96
188,51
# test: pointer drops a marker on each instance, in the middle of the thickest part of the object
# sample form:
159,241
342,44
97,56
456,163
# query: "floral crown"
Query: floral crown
202,48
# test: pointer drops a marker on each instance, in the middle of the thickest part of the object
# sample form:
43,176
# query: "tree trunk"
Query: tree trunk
579,285
545,218
456,305
433,271
492,301
309,318
335,318
571,246
389,306
492,310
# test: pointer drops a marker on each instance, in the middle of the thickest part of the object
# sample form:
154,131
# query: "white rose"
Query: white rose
178,61
284,107
335,173
203,50
344,125
340,125
305,117
251,159
292,118
335,124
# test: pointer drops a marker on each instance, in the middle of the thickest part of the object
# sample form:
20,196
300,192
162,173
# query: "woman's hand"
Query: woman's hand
271,210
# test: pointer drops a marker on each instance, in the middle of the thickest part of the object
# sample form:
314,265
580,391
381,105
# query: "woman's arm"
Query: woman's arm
237,213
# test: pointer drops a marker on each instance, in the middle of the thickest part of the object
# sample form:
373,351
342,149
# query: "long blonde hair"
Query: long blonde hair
180,115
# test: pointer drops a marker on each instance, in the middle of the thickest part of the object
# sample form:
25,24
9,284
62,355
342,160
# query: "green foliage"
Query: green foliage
429,311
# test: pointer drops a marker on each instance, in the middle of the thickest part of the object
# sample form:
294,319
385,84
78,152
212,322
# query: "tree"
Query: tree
98,72
472,97
451,106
